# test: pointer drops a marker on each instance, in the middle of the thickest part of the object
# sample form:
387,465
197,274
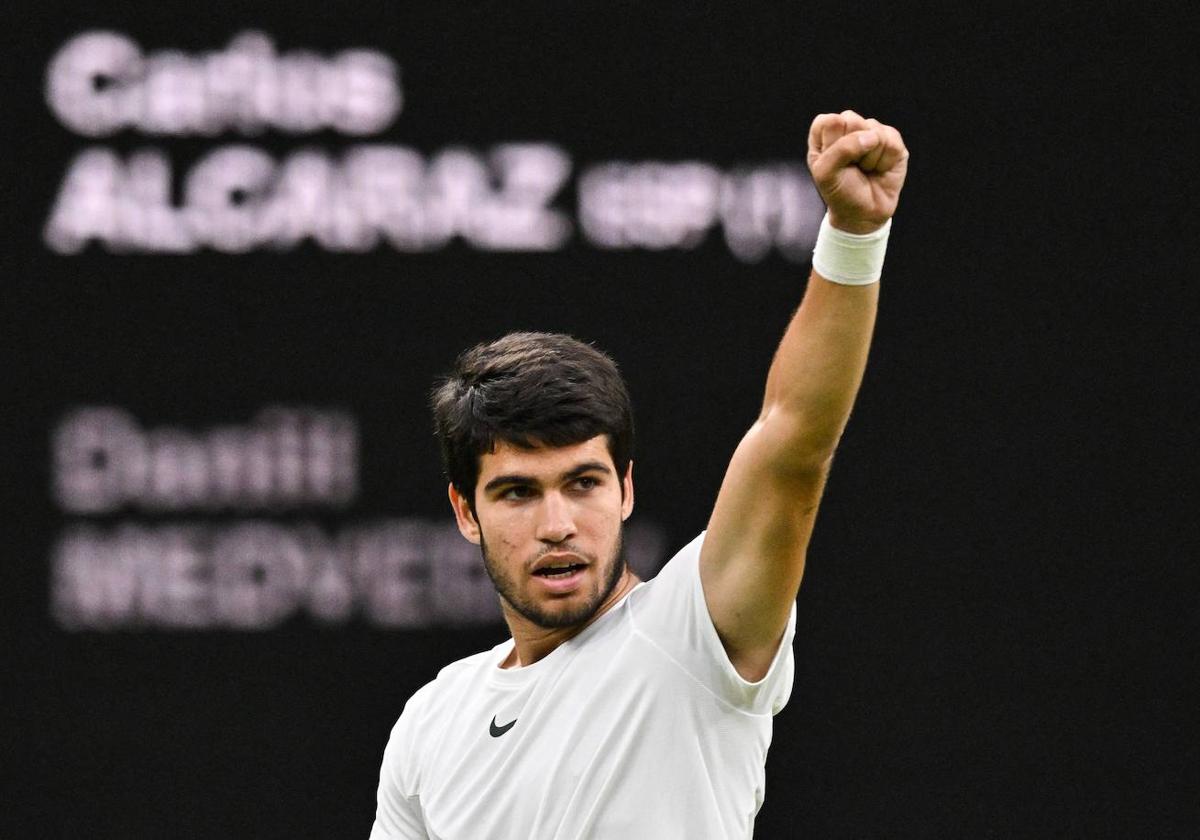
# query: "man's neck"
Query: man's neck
532,642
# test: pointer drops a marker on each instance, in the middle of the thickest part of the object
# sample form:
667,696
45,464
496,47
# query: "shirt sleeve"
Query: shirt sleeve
671,613
398,813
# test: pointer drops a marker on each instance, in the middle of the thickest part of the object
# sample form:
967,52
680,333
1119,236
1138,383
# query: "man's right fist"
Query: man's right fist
858,166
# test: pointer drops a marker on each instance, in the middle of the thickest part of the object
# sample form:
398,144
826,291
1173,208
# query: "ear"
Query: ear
463,515
627,500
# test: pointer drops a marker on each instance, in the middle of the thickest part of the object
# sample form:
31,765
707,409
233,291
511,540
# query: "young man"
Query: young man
620,708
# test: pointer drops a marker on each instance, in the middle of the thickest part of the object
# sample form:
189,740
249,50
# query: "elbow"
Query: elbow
803,443
808,465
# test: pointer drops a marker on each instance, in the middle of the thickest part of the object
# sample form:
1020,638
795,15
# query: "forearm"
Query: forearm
757,541
858,166
818,368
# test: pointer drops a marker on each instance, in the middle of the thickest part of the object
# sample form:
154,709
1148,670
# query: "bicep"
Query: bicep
398,817
398,814
753,554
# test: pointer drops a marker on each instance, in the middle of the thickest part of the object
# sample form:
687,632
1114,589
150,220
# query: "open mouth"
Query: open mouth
559,571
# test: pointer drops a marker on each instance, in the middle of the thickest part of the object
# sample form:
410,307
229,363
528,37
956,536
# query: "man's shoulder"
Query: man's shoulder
467,665
451,678
675,572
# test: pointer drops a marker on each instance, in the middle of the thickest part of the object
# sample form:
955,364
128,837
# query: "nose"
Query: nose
556,521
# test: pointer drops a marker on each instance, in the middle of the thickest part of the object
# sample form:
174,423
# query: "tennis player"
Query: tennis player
621,708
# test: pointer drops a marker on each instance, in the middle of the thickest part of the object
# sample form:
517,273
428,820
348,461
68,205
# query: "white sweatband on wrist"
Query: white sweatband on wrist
852,259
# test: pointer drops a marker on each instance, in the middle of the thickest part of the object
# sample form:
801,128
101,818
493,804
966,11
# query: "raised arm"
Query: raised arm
753,554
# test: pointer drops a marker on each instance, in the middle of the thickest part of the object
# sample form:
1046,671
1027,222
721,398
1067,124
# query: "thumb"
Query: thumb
845,152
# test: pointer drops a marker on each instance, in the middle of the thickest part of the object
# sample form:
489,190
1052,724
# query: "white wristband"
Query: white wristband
852,259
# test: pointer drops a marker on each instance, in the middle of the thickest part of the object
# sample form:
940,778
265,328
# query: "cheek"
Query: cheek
508,532
499,535
605,521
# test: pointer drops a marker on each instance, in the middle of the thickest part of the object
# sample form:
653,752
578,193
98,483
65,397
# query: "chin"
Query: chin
570,611
567,616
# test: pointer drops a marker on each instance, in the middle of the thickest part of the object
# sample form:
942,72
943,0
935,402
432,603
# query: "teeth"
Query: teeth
557,571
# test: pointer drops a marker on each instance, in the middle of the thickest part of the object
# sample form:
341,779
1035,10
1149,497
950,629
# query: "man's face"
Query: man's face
549,523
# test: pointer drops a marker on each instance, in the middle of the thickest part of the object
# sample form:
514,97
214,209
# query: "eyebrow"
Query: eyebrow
574,472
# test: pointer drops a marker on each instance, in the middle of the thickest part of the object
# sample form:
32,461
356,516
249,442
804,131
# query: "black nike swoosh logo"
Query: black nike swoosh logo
497,731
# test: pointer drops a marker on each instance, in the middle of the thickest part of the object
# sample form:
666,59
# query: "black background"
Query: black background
996,625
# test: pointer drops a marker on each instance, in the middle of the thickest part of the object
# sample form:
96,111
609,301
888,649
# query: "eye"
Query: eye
586,482
517,492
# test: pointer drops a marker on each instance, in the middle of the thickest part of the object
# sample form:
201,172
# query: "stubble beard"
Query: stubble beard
510,592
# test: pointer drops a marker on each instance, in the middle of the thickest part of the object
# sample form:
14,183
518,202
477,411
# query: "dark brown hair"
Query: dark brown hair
529,389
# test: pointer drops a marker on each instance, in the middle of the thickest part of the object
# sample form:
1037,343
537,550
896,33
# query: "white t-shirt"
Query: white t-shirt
639,727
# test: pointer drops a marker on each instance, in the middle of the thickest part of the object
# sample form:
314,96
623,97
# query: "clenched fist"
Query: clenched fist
858,166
